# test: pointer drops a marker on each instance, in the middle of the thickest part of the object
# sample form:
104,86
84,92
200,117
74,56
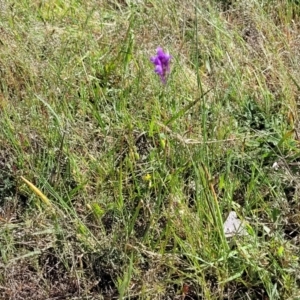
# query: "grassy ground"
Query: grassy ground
115,186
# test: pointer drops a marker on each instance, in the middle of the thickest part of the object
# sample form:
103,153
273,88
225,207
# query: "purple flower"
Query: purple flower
162,64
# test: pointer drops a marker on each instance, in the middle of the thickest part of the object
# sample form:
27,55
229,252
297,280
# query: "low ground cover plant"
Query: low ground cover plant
136,136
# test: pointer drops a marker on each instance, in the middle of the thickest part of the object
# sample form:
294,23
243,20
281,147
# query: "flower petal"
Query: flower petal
159,70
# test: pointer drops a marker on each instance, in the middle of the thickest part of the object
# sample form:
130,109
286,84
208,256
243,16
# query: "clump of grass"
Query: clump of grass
114,185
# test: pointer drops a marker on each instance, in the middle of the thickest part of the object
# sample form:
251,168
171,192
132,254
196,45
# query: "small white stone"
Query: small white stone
234,226
275,166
